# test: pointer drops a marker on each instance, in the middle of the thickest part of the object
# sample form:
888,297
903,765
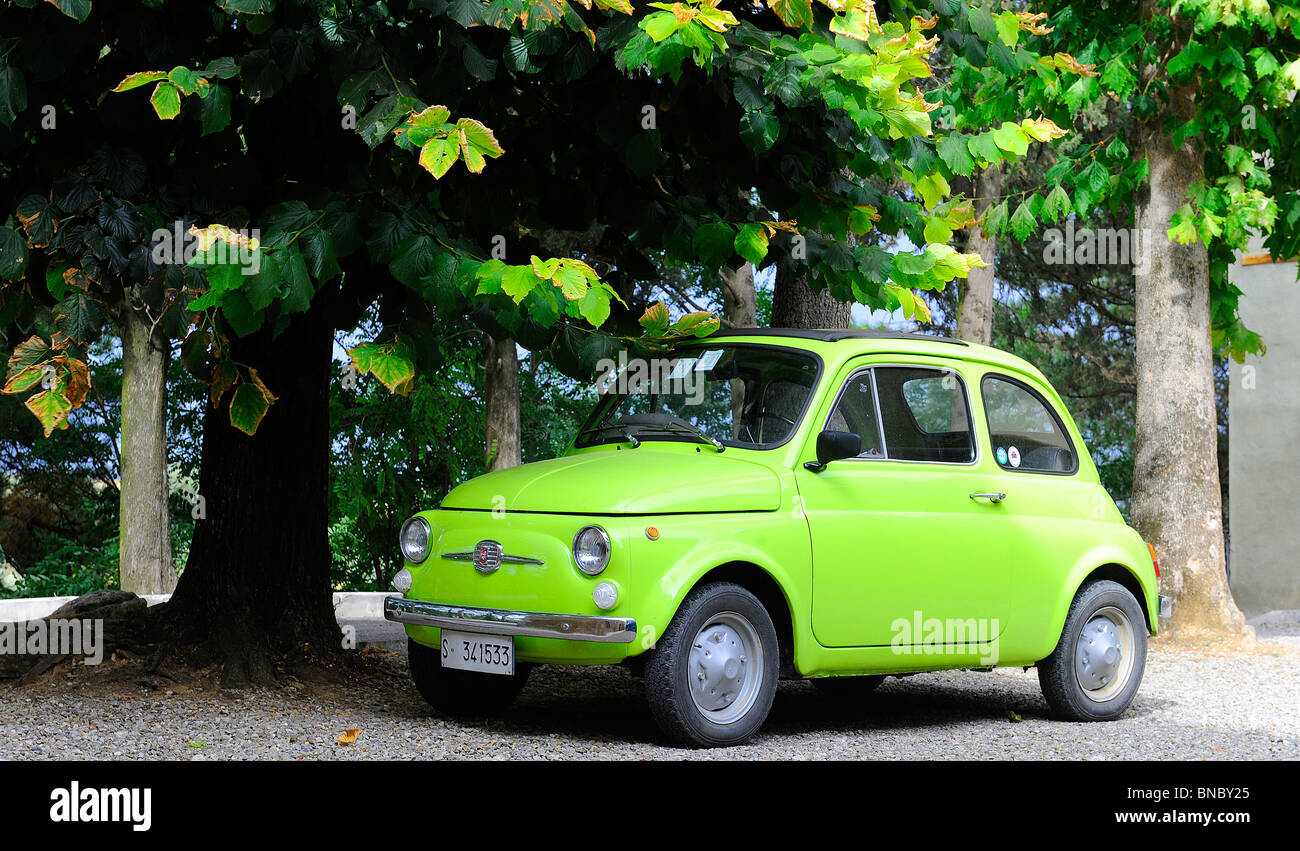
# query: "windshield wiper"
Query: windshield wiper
688,428
631,438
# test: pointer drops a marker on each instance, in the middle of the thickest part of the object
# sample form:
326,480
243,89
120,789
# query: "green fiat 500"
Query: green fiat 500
836,506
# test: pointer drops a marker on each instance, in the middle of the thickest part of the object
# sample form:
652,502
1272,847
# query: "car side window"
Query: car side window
925,415
1025,432
855,411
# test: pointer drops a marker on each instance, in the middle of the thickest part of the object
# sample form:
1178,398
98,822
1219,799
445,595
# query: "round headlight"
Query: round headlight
591,549
414,540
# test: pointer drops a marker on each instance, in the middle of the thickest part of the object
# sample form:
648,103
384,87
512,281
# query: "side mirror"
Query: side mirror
833,446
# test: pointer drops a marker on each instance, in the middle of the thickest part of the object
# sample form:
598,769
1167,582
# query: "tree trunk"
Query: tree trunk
258,576
1176,497
795,305
739,300
975,312
144,531
501,409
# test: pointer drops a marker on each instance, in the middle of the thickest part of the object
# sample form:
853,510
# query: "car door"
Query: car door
901,552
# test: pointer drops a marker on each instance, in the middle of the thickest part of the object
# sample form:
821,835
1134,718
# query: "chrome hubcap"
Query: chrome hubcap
1103,655
725,668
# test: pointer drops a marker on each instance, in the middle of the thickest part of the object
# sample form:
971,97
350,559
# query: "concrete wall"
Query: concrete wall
1264,442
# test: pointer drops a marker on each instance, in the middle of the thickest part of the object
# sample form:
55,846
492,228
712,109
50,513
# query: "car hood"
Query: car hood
646,480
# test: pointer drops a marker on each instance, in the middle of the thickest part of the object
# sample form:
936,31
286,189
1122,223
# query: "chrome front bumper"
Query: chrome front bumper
505,622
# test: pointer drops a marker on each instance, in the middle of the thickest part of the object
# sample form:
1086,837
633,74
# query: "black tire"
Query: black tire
720,606
848,688
1059,675
462,693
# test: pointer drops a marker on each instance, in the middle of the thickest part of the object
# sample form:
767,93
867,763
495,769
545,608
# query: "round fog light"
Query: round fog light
402,581
606,595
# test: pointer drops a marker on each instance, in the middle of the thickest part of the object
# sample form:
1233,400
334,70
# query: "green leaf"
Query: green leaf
751,243
263,288
296,289
1012,138
995,218
283,221
318,250
954,150
1008,27
13,94
985,148
1022,221
1097,177
660,25
874,262
701,323
216,109
185,80
389,362
713,243
759,130
655,320
76,9
13,254
412,258
594,306
248,406
166,100
140,78
51,409
1057,204
793,13
439,155
913,264
518,281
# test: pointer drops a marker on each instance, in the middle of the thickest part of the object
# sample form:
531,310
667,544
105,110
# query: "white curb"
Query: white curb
348,605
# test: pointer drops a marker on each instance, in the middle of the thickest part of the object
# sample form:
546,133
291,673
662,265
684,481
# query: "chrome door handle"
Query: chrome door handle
994,498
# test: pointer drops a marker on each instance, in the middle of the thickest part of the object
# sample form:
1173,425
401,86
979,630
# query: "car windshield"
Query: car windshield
742,395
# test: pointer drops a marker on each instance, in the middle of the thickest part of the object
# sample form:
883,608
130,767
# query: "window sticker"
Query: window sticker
1013,456
1002,456
708,360
680,368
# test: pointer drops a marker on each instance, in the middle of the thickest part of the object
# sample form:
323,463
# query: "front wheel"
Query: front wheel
1094,672
462,693
711,679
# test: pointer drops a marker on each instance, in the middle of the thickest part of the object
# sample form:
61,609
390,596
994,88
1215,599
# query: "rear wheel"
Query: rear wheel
462,693
1094,672
711,678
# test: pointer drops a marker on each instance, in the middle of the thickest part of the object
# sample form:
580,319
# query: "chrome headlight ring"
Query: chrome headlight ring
413,540
591,550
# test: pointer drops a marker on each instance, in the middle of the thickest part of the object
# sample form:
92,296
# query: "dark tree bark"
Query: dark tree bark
257,579
501,404
795,305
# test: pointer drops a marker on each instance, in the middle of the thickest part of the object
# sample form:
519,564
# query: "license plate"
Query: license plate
487,654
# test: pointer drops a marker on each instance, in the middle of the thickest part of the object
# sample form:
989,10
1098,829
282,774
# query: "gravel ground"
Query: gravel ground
1195,703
